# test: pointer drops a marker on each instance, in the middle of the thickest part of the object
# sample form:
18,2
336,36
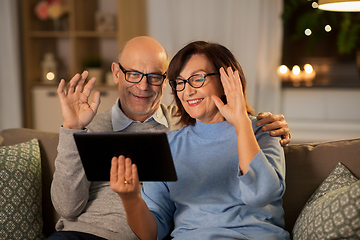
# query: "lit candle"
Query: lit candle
283,72
309,74
296,75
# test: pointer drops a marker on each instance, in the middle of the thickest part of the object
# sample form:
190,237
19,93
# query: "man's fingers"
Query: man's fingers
79,86
283,133
284,141
265,118
273,126
269,118
278,132
263,115
60,89
73,83
95,103
84,74
89,86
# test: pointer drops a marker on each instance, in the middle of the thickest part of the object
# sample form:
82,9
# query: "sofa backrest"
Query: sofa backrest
48,150
308,165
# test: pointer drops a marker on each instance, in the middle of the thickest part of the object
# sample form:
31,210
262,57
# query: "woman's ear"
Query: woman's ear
115,72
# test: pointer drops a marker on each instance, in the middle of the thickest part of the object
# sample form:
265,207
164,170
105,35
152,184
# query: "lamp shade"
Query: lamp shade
340,5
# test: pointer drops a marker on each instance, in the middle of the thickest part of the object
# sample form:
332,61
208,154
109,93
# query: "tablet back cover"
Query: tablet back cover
149,151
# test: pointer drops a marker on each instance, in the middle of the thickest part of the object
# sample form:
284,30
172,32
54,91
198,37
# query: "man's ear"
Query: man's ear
164,83
115,72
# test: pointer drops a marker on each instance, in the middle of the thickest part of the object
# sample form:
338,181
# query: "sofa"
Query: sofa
307,166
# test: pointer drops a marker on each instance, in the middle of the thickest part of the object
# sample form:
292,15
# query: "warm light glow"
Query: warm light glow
50,76
308,68
309,75
328,28
315,5
283,72
283,69
296,70
307,32
296,75
340,5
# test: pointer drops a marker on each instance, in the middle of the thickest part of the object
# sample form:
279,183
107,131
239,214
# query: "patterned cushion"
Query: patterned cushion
20,191
333,211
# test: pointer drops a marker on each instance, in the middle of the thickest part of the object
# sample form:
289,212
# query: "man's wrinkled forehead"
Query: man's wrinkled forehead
143,58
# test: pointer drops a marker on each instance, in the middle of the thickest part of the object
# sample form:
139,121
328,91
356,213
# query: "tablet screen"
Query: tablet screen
150,152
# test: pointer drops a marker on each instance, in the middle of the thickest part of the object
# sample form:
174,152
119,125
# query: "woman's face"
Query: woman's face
197,102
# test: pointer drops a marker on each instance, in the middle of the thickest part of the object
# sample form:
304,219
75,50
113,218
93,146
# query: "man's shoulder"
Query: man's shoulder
101,122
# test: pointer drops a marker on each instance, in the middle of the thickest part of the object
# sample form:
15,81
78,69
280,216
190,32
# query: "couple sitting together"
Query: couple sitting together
231,170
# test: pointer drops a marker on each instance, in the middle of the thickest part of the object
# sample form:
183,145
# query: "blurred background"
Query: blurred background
299,60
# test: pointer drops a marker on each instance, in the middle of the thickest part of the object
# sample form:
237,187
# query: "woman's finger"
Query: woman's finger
236,82
219,104
224,80
135,175
121,168
128,171
114,170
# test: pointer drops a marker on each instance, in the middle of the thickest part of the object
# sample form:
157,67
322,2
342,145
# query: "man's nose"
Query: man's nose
143,84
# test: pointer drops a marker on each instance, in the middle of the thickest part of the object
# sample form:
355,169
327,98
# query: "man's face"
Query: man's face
139,101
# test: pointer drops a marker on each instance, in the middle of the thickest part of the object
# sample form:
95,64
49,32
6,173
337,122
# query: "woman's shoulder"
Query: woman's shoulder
254,122
259,133
176,134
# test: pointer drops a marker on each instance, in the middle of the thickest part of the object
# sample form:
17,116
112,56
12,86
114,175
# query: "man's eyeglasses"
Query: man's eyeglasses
196,81
136,77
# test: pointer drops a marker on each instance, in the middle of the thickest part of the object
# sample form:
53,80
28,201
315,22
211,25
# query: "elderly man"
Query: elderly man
91,210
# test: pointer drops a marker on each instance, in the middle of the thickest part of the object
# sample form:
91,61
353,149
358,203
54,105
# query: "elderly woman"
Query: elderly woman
231,175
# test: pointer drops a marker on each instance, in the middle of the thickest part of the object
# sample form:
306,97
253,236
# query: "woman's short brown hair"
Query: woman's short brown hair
219,55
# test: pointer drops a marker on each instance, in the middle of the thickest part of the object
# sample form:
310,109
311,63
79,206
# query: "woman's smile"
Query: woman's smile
194,102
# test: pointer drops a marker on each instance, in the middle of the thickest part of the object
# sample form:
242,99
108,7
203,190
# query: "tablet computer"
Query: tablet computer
150,151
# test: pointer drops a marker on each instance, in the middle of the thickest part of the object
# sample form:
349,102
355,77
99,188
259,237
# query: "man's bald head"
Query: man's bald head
146,47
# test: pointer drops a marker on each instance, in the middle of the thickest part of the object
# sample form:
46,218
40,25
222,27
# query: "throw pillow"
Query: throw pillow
333,211
20,191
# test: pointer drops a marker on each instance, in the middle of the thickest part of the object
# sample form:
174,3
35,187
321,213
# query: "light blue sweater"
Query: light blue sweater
211,199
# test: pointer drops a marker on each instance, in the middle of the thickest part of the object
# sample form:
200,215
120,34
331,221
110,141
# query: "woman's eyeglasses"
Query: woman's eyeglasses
196,81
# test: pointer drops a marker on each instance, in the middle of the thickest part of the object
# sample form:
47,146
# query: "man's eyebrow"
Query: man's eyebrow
134,70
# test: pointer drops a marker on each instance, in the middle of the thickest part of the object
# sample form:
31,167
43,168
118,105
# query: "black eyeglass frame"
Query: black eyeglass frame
142,76
187,81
